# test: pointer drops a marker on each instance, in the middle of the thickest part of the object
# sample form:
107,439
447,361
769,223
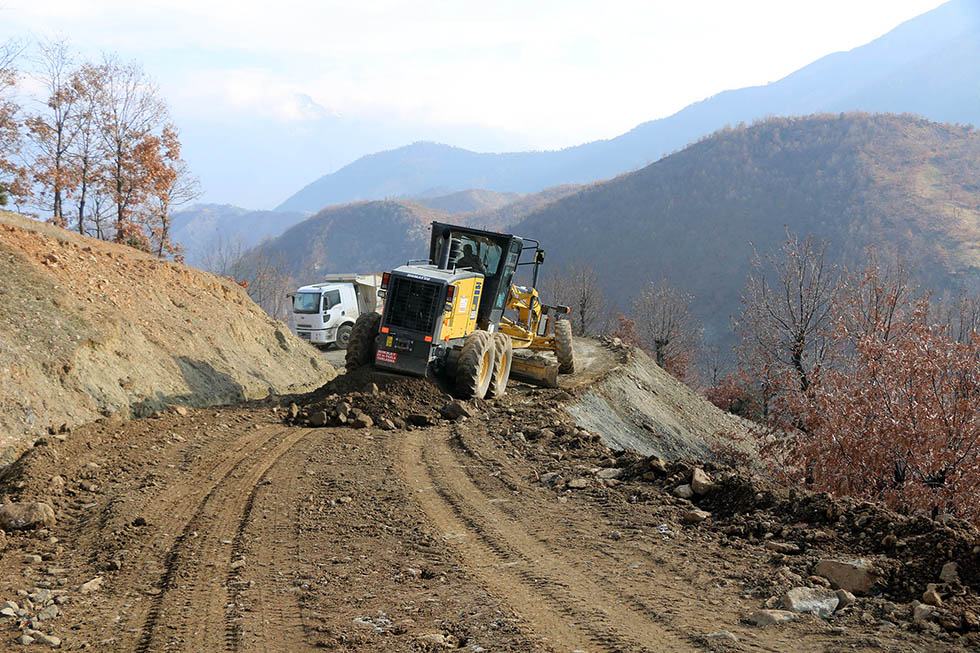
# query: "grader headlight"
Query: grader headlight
450,294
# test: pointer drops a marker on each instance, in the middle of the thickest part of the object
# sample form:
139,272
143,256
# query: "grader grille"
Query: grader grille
413,304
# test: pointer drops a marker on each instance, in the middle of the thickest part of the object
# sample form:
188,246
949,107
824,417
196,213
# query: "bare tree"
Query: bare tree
578,288
959,314
264,276
87,153
786,322
666,327
53,129
874,298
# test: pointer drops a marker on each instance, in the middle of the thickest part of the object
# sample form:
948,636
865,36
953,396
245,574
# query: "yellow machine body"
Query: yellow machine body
459,318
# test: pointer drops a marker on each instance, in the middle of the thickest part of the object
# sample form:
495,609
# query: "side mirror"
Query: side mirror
539,256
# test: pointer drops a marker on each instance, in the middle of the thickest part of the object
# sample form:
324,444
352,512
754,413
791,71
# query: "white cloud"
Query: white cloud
559,72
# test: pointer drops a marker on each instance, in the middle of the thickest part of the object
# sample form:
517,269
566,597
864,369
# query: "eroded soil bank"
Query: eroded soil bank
89,328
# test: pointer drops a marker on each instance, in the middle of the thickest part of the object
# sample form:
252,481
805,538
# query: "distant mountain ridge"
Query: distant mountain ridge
364,237
928,65
202,227
906,185
466,201
901,183
371,236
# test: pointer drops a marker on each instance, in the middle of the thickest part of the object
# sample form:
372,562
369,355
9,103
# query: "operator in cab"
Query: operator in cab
470,260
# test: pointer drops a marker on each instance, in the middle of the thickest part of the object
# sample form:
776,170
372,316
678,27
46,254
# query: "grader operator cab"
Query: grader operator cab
459,314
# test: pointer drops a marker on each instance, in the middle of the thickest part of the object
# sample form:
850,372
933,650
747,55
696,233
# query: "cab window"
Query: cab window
331,298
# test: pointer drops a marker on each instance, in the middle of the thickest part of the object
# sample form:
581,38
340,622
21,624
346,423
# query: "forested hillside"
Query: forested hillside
467,201
902,183
361,237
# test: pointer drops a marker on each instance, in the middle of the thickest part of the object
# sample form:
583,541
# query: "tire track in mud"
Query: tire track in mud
468,458
272,621
566,607
193,592
166,513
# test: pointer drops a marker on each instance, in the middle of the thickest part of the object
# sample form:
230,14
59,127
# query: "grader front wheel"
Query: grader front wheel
360,346
475,366
563,347
501,365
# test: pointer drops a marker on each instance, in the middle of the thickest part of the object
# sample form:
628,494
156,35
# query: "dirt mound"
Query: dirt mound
92,328
386,400
637,405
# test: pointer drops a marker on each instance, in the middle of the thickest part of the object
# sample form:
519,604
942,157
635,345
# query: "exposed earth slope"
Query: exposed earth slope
89,328
512,529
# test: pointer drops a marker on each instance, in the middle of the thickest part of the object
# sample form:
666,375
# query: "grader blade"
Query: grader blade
535,370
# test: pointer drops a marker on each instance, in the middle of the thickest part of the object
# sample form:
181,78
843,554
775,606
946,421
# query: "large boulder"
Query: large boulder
19,516
821,602
700,482
857,576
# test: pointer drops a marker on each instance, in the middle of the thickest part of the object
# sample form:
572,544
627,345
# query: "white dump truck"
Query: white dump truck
324,313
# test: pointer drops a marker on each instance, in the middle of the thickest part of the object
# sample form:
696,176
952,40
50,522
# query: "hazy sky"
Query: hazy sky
553,73
270,96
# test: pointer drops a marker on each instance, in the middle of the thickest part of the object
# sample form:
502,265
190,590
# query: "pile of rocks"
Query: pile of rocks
375,408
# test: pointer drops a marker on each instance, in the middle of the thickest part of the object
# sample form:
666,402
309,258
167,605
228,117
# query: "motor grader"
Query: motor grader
459,314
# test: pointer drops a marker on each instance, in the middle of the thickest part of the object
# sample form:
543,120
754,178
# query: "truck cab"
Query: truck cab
324,313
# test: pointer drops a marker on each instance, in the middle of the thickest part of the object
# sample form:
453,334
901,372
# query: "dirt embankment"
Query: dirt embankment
89,328
636,405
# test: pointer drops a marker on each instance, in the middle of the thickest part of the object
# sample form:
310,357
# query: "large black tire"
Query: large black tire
343,336
563,347
501,364
361,346
475,366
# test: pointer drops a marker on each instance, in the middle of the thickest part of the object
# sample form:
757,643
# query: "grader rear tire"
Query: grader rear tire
360,346
501,364
563,347
475,366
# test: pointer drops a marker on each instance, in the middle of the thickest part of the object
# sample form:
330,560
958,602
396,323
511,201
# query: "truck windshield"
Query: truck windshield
306,302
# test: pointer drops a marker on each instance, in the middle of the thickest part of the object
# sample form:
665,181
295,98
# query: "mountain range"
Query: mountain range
902,183
928,66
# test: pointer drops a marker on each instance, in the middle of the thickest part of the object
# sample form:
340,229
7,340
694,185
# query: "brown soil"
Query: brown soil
243,529
89,328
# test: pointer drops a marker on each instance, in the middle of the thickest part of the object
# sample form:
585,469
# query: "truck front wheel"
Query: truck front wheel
343,336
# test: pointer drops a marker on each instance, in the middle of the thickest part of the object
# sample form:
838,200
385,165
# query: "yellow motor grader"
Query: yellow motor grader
459,314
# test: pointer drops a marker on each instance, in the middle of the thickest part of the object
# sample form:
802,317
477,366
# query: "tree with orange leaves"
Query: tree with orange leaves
170,185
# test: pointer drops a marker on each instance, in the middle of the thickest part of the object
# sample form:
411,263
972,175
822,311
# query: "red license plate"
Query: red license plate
386,356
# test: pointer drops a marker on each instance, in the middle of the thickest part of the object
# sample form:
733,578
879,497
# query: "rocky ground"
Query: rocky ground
376,513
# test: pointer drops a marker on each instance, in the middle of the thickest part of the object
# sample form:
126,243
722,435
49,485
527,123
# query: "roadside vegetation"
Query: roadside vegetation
864,383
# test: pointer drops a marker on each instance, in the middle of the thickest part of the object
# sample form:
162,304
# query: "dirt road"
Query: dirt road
227,530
